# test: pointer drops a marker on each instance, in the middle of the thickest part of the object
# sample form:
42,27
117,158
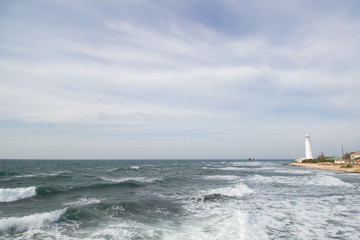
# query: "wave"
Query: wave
88,212
15,194
288,180
112,169
45,191
221,223
129,184
222,177
129,179
219,217
7,173
316,180
37,220
135,167
235,191
232,169
48,190
83,201
54,174
323,180
214,197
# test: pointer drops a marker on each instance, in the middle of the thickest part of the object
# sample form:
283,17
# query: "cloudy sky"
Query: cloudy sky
178,79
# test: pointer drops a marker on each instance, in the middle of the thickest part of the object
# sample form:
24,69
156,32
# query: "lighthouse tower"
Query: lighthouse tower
308,152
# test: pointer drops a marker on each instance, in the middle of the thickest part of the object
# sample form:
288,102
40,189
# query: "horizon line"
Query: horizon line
137,159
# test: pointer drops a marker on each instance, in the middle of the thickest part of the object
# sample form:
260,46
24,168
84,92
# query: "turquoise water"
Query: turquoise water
175,199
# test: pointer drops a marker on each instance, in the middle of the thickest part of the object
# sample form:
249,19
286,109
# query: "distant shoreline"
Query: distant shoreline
328,166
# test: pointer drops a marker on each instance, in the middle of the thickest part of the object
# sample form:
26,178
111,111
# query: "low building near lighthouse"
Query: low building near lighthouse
355,155
347,161
354,159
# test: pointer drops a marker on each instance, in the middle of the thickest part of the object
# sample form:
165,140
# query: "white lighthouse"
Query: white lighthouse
308,152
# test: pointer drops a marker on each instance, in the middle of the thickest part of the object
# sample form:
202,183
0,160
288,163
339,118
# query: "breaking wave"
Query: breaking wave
15,194
236,191
37,220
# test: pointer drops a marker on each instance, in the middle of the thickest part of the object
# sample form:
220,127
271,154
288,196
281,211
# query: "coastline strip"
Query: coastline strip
329,166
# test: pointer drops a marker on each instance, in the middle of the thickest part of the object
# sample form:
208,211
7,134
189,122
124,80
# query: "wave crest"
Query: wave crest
235,191
15,194
129,179
37,220
83,201
45,191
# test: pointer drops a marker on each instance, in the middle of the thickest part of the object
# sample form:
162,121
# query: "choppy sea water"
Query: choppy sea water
175,199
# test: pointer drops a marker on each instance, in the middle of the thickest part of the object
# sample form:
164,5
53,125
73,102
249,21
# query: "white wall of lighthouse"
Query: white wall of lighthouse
308,151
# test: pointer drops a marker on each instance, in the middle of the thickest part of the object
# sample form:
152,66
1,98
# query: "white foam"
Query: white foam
135,167
112,169
30,222
230,169
127,229
223,222
41,174
324,180
237,190
233,224
309,217
15,194
241,168
317,180
217,220
137,179
248,163
275,179
221,177
83,201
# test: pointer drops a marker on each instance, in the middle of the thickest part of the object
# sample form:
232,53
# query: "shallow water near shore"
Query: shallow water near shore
175,199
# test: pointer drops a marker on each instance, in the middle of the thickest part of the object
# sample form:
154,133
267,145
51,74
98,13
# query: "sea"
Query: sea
176,199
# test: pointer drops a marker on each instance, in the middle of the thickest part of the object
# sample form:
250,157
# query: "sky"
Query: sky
189,79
